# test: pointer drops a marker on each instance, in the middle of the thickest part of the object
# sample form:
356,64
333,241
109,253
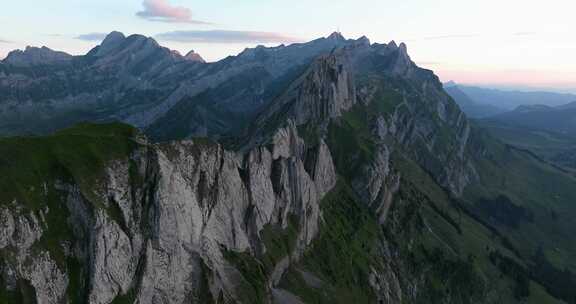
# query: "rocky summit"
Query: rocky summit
333,171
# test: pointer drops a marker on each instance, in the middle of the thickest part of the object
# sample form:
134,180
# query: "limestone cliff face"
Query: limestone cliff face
406,109
323,92
435,133
170,212
418,114
20,232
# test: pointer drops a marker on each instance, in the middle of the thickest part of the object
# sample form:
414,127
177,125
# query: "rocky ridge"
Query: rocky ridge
33,56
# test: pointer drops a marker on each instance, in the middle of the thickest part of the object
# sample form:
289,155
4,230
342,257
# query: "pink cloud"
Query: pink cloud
162,11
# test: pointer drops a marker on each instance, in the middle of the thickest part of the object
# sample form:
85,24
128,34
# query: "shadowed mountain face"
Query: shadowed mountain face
472,108
133,79
337,172
509,100
560,119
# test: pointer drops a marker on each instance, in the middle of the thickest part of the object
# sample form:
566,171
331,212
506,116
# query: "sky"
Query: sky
527,44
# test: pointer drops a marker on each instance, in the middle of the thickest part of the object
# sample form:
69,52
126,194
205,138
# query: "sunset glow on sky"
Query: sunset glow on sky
512,42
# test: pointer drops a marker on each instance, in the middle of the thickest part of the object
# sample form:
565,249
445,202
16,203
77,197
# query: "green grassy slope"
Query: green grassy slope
31,166
481,248
432,238
553,147
533,205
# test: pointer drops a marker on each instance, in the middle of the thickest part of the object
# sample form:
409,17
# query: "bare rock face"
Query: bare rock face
327,92
324,92
208,200
114,263
49,282
323,169
166,217
19,236
376,184
6,227
33,56
193,56
438,143
386,284
112,41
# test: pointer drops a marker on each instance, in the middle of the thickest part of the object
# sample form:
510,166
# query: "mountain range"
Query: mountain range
508,100
548,131
332,171
135,80
561,119
472,108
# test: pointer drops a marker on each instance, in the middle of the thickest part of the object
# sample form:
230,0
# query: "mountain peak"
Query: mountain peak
114,35
112,41
193,56
116,42
336,36
403,48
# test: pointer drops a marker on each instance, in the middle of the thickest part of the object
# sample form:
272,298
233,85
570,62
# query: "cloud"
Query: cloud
162,11
224,36
91,37
4,41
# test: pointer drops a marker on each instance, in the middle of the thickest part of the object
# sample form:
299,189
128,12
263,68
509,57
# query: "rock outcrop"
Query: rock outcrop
34,56
170,214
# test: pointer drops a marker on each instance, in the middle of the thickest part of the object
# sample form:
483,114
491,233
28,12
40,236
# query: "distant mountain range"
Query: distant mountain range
135,80
479,102
548,131
472,108
560,119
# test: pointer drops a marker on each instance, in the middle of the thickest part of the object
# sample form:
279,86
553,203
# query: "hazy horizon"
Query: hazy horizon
449,37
